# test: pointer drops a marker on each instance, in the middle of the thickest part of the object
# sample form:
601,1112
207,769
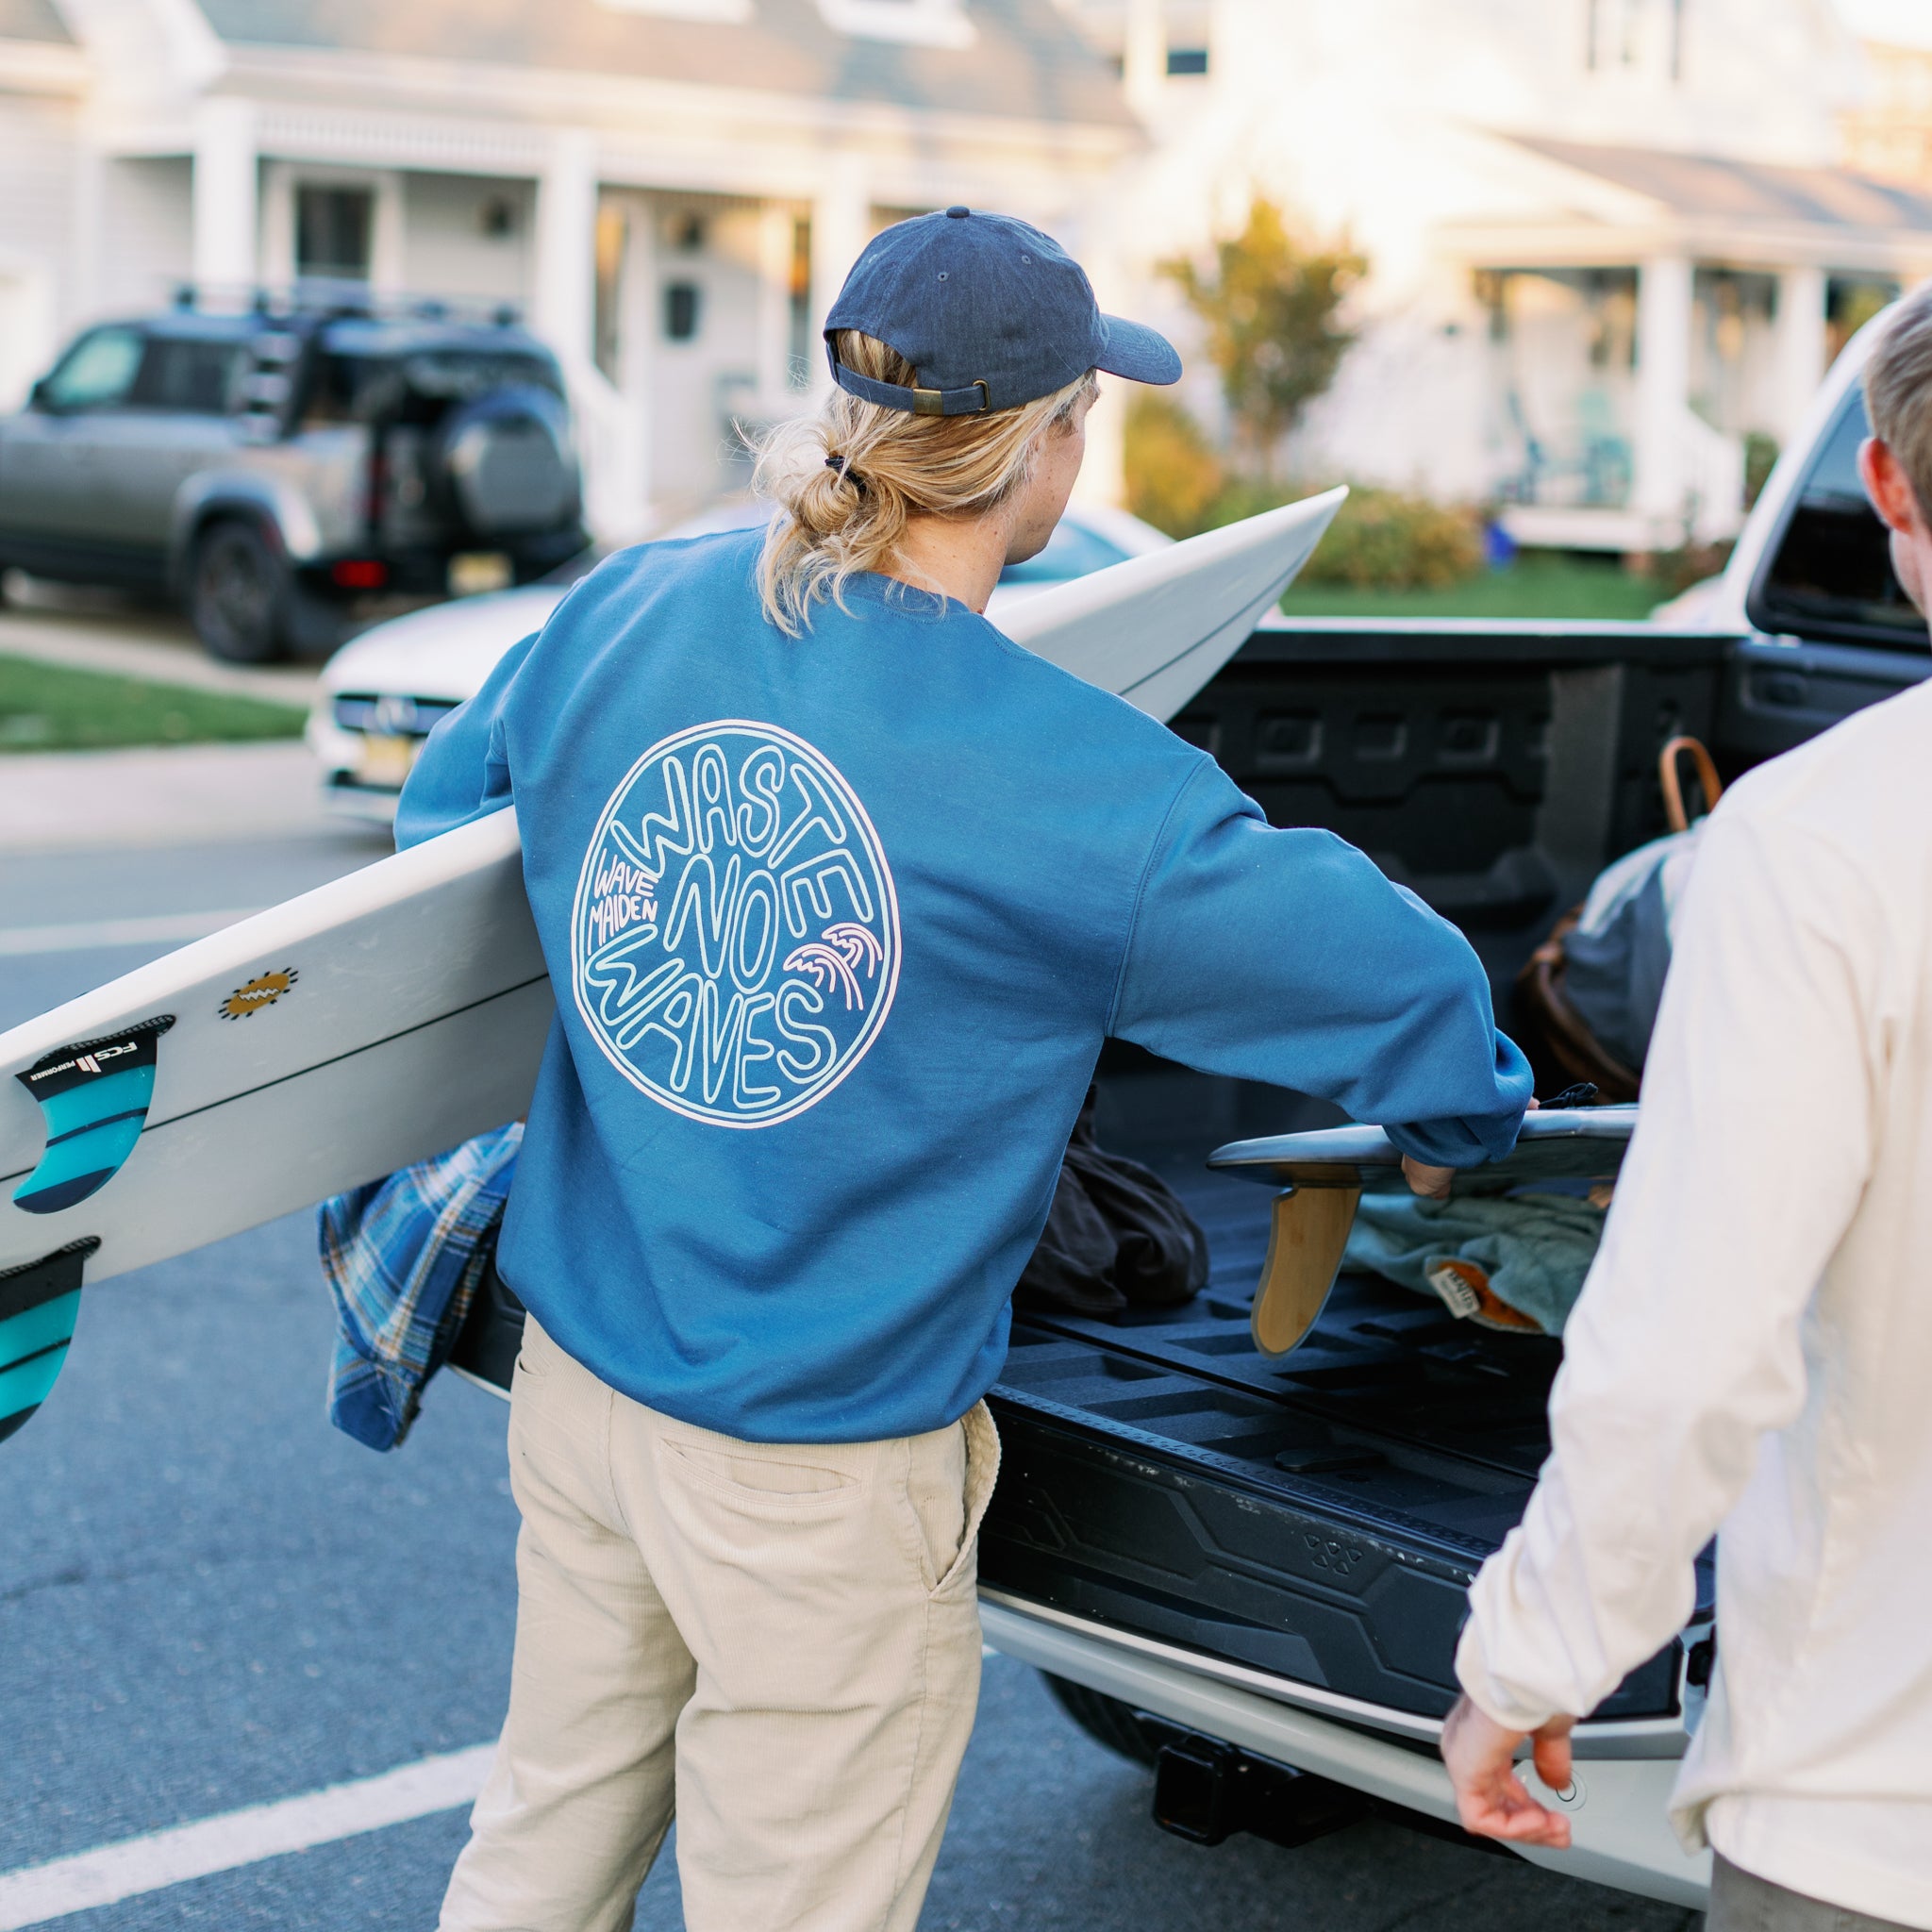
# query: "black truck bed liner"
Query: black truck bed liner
1319,1517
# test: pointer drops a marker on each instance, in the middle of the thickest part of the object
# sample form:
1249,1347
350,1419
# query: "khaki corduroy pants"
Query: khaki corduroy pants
780,1646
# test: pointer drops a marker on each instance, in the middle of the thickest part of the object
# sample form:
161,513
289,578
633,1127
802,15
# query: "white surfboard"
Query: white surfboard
390,1014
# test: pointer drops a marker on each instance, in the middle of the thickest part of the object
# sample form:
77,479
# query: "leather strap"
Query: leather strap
971,401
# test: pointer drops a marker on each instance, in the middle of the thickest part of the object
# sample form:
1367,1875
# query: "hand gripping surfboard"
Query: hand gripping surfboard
391,1014
1321,1176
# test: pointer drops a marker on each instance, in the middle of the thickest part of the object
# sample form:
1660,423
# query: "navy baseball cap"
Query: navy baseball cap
989,313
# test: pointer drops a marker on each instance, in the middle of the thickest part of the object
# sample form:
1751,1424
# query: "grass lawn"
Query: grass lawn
49,707
1543,584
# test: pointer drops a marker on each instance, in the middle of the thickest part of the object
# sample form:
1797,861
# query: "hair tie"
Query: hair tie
836,465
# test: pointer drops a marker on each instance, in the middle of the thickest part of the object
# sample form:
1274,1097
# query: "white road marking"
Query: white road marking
160,928
105,1876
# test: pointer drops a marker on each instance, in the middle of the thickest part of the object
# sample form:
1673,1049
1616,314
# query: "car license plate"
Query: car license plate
385,762
471,572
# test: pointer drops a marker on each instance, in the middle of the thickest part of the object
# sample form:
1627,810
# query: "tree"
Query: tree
1269,308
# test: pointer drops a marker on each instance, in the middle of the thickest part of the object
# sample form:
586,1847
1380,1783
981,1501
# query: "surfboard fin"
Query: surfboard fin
39,1302
94,1097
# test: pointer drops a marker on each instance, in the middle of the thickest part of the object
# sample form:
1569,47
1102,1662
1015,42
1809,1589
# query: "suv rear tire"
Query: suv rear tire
240,593
1105,1719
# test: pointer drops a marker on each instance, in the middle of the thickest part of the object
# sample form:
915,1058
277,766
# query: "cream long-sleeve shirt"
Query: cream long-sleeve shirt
1753,1350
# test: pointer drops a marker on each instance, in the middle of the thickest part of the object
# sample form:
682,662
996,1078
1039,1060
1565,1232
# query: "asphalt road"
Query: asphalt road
211,1600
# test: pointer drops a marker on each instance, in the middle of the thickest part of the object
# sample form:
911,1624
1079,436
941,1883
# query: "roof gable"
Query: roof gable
1710,186
1024,62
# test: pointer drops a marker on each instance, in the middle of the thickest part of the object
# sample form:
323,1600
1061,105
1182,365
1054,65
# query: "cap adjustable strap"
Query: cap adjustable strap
971,401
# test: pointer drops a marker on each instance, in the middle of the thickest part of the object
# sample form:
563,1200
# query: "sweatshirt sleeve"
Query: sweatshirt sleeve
462,772
1285,956
1750,1153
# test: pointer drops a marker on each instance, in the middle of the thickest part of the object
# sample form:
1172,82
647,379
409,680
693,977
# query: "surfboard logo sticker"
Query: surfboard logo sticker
39,1302
735,940
264,991
93,1098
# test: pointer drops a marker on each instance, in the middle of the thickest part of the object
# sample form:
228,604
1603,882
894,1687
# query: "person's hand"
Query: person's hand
1490,1799
1431,1183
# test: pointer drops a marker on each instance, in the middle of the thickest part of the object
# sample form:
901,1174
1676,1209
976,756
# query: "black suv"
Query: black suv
269,466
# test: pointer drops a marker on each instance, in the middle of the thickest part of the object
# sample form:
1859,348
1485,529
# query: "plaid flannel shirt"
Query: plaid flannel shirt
404,1256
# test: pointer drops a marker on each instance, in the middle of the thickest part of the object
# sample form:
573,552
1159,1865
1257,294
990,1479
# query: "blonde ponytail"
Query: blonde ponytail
846,480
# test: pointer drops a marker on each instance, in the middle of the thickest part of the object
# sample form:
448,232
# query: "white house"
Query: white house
671,190
1608,239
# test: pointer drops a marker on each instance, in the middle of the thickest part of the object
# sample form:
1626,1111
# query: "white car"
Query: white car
381,694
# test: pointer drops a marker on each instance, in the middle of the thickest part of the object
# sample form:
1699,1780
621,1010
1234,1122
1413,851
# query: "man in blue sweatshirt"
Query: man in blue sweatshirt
842,891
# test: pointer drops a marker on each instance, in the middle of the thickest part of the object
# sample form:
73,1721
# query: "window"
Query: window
182,374
681,311
606,327
333,229
1187,60
96,373
798,362
1850,303
1634,36
356,381
1830,576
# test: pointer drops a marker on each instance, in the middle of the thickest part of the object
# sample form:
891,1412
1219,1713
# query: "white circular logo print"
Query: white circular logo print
735,939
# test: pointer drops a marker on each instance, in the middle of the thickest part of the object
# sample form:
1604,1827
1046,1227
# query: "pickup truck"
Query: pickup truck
1249,1573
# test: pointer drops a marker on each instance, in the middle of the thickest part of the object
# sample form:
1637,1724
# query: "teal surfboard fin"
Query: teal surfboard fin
39,1302
93,1098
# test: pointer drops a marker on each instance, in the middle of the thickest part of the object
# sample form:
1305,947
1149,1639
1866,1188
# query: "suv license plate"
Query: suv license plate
385,762
471,572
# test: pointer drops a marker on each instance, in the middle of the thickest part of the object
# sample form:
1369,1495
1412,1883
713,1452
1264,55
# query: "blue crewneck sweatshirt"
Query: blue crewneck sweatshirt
837,926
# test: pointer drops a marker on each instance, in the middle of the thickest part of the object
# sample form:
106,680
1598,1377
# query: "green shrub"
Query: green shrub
1380,539
1385,540
1173,475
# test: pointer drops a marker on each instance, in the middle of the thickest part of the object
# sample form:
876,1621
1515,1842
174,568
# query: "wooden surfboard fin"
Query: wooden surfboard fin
1307,1229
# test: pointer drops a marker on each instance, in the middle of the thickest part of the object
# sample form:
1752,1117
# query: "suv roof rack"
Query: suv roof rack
323,299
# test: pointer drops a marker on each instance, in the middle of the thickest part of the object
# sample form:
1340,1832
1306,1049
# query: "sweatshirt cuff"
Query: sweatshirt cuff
1487,1694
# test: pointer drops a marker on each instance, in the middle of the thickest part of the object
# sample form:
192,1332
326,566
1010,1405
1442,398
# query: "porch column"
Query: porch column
1144,55
223,199
564,288
1801,343
1103,475
841,226
1663,386
776,222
